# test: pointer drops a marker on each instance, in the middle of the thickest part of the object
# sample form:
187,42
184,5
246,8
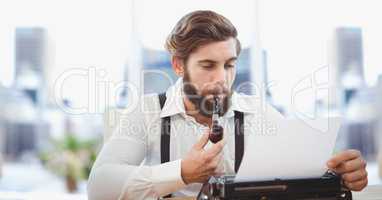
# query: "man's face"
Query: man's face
210,71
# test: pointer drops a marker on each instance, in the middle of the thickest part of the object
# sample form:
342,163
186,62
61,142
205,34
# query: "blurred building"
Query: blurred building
30,61
349,62
268,84
378,106
22,126
30,49
18,123
357,101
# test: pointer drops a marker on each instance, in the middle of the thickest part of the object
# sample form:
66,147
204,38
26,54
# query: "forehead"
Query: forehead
218,51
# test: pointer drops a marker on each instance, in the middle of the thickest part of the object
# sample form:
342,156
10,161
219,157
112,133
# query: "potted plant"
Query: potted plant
71,158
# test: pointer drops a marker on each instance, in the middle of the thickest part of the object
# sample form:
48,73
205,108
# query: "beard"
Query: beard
200,100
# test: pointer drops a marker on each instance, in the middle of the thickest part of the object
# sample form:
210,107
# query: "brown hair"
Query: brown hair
199,28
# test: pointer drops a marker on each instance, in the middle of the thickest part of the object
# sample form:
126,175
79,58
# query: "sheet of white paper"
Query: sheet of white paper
294,150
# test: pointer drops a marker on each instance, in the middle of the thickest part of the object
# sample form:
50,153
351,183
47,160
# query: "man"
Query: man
204,48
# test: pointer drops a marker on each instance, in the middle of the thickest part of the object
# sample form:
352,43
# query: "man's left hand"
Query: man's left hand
352,168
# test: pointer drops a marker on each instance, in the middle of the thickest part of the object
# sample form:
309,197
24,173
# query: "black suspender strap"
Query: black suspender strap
165,132
239,138
165,135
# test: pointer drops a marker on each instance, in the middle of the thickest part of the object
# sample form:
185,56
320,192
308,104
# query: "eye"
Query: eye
229,66
207,66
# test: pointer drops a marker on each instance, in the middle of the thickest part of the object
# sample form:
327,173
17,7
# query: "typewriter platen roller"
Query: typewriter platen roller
328,187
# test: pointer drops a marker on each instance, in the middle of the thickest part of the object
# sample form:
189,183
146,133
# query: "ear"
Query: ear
177,66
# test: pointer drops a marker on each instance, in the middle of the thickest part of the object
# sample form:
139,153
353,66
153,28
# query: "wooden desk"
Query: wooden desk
373,192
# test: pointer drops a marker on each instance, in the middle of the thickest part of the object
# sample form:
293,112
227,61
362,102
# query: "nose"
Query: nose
219,75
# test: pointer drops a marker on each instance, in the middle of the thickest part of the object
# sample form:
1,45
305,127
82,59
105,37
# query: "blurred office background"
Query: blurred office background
64,66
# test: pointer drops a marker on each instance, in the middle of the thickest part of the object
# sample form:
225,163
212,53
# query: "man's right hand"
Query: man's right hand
199,164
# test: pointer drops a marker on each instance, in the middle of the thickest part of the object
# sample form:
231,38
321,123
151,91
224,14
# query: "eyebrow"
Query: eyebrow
213,61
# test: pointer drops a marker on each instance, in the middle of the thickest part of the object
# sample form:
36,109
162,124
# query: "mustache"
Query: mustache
209,90
204,99
219,90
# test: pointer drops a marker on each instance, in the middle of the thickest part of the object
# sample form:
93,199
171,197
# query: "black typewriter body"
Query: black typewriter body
328,187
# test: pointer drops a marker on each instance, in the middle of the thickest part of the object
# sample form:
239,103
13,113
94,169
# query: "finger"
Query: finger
215,149
220,167
202,141
203,178
358,185
214,160
219,170
217,159
350,166
342,157
205,175
355,176
213,165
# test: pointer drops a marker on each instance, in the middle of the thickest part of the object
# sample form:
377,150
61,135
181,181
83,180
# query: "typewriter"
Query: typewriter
327,187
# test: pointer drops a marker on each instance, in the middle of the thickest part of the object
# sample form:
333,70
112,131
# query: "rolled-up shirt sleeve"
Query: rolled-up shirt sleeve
119,172
151,182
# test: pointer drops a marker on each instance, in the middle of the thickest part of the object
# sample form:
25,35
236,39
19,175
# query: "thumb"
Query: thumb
202,141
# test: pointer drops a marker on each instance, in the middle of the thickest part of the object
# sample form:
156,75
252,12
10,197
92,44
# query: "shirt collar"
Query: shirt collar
174,102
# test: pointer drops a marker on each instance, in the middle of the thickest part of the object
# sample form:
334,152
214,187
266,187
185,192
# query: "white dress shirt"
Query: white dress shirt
129,166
